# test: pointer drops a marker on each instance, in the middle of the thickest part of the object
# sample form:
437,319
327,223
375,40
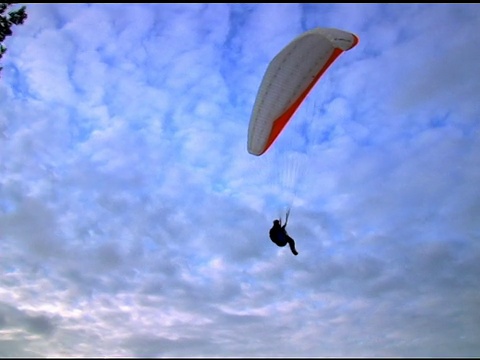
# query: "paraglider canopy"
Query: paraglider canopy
289,78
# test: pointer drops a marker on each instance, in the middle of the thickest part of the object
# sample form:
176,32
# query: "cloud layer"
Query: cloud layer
133,222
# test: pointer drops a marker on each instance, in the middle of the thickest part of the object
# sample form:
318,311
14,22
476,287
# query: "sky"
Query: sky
134,222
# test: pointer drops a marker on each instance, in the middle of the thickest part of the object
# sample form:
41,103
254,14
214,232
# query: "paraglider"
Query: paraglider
289,78
279,236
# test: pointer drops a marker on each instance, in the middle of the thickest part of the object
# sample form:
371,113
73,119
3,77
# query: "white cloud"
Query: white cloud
133,222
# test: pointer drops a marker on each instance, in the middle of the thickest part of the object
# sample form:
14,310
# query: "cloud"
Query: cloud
133,222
